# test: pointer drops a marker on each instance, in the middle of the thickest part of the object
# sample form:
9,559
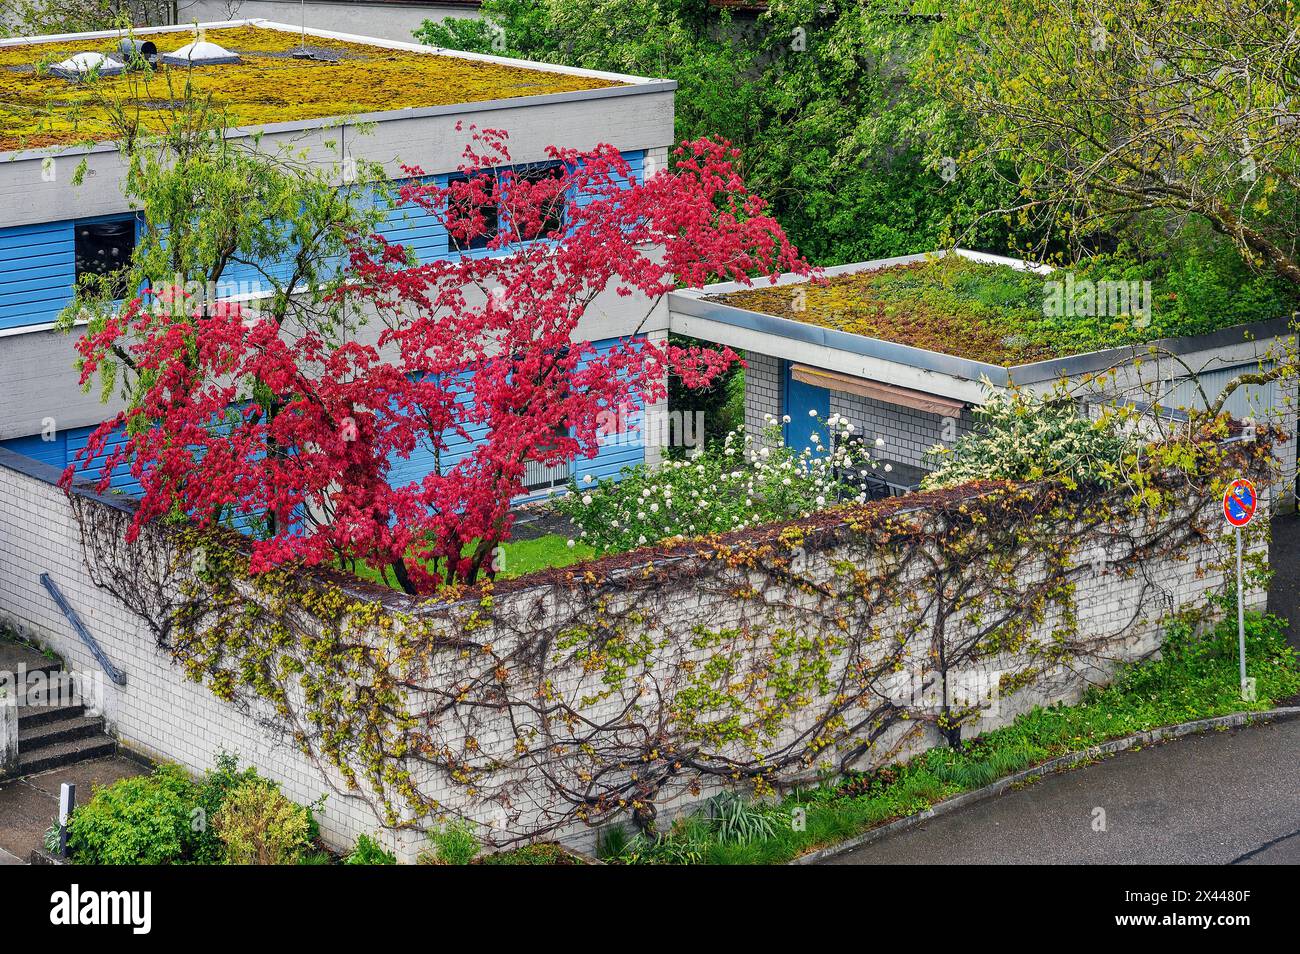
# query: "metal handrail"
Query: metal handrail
117,675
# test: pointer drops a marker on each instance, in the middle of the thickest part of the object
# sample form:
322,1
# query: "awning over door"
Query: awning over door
878,390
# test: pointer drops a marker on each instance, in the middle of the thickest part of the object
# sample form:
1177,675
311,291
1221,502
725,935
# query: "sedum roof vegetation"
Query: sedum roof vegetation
269,86
1000,315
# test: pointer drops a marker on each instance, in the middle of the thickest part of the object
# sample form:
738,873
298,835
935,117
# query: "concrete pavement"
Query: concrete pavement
1220,798
28,806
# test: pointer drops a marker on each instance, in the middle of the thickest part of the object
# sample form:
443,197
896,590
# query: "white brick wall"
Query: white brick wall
762,391
909,434
162,715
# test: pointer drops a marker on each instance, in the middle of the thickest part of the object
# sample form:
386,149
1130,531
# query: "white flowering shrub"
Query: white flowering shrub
1022,436
744,482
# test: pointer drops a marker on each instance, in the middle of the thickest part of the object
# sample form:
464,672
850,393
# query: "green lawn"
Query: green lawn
519,557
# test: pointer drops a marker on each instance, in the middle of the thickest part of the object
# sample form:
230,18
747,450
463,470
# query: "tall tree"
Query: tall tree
473,356
820,96
1116,112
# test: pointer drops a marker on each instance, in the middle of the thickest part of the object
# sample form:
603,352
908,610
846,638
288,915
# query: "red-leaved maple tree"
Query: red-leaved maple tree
475,359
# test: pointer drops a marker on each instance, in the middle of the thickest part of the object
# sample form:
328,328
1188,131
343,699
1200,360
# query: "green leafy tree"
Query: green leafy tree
211,206
1133,113
821,96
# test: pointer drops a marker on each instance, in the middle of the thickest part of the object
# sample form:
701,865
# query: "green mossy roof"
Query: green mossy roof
269,86
989,313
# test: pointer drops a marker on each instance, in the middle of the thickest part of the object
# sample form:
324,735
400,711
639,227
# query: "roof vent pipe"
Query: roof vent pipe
137,53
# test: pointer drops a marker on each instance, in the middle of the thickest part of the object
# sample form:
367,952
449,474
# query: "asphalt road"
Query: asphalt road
1219,798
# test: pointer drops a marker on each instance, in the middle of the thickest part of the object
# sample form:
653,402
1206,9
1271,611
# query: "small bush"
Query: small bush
137,821
368,851
544,853
743,481
737,821
454,844
1023,436
259,826
211,795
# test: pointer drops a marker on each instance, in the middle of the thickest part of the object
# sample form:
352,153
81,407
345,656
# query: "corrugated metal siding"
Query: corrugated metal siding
636,170
37,271
63,450
122,481
1253,401
413,227
38,262
53,452
617,450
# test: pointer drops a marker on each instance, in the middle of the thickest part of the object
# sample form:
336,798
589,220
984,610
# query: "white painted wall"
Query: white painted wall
389,21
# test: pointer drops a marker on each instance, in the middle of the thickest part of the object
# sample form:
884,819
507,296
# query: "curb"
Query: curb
1033,773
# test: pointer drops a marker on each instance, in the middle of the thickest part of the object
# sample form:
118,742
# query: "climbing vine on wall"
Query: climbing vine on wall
766,658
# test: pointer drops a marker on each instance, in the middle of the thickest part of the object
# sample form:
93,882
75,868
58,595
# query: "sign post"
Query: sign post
1239,503
67,802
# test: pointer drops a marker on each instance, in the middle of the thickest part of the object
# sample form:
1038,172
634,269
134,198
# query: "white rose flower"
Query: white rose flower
586,500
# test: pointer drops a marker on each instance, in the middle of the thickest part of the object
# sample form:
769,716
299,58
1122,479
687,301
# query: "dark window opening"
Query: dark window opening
104,249
538,476
486,232
553,209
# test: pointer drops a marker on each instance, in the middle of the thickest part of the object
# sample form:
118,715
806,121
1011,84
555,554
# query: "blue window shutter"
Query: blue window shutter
37,273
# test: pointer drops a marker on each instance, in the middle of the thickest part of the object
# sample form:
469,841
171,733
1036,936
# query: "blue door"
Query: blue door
801,401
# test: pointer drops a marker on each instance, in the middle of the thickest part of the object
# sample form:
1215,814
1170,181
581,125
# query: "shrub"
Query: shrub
454,844
211,794
259,826
736,821
1026,437
743,482
368,851
543,853
143,820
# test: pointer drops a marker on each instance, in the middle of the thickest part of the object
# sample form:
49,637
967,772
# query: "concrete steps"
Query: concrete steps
53,728
59,754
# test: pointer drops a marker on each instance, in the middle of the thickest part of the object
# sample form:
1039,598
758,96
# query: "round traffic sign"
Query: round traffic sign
1239,502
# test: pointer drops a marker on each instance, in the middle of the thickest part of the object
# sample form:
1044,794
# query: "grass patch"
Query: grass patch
1195,678
546,853
519,557
997,314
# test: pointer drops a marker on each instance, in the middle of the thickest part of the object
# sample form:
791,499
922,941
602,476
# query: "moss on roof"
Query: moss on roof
1000,315
269,86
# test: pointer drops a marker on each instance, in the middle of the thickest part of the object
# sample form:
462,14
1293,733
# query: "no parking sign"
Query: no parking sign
1239,502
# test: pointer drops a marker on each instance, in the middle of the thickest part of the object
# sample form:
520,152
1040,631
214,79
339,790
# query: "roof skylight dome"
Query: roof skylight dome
200,53
81,65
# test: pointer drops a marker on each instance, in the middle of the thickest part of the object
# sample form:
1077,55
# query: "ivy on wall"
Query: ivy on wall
767,658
